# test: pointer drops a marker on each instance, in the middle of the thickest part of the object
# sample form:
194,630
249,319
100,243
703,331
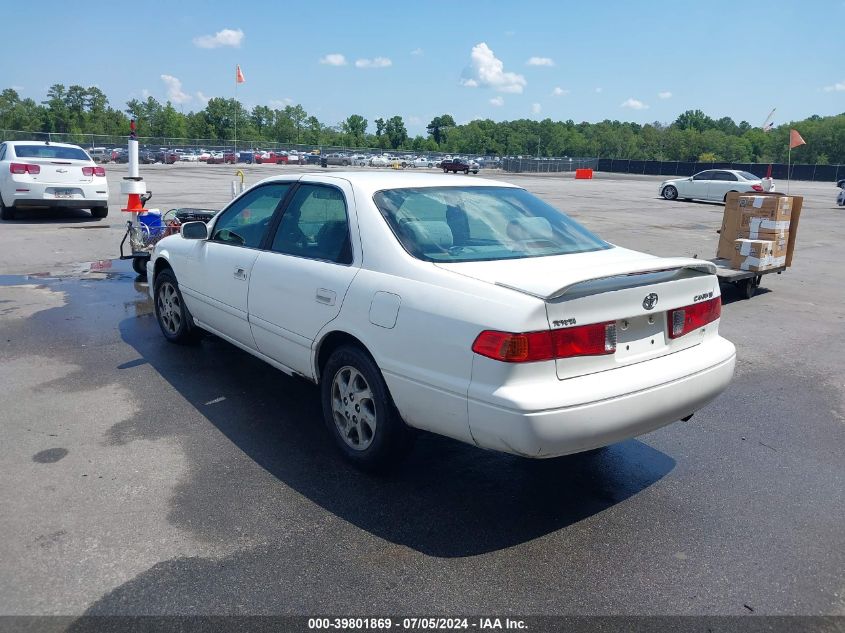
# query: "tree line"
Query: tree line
693,136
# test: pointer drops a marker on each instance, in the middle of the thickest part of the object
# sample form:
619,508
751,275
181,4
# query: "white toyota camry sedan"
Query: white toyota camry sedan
37,174
460,306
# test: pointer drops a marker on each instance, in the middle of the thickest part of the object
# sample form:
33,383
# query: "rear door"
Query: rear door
721,184
299,284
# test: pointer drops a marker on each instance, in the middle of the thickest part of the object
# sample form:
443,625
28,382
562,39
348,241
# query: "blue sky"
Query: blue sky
635,61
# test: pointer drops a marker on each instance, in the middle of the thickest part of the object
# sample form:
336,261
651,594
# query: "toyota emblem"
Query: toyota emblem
650,301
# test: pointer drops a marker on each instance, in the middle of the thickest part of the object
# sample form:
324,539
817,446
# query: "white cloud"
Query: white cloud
634,104
488,71
540,61
599,89
226,37
559,92
377,62
280,103
333,59
497,101
417,52
664,95
837,87
536,108
414,120
202,98
174,89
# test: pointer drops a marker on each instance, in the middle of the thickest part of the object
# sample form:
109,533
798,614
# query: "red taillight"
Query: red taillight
23,168
93,171
586,340
684,320
757,187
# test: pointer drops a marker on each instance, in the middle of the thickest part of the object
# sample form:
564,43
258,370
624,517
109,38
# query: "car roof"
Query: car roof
372,181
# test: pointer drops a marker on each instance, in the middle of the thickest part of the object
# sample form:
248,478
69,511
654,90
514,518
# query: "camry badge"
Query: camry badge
650,301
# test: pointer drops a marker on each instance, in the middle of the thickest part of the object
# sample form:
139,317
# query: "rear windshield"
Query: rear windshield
748,175
50,151
464,224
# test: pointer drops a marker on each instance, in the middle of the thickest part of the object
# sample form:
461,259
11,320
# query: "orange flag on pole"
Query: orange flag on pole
795,139
239,76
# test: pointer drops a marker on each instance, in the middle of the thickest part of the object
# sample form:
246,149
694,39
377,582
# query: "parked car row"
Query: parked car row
169,156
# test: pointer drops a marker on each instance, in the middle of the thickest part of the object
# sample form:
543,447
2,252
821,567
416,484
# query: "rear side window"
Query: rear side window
748,175
315,225
459,224
724,175
50,151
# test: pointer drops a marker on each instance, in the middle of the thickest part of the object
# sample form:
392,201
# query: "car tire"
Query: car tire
466,172
99,212
351,384
430,165
445,171
172,314
670,192
6,213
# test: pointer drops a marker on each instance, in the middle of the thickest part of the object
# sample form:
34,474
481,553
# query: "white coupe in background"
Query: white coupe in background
464,307
37,174
712,184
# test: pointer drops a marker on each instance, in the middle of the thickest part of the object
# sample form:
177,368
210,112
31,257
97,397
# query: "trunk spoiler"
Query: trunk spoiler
656,265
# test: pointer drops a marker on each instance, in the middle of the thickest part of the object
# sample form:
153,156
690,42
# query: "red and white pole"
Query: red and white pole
133,186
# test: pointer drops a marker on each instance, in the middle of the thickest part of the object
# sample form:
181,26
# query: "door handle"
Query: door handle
240,273
326,296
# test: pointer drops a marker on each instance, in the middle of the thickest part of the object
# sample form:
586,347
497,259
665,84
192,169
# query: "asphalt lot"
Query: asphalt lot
145,478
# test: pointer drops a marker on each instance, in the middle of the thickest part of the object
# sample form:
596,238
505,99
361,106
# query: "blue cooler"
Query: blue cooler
151,221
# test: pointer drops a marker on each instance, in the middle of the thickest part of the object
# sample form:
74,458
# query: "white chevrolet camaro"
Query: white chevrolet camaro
464,307
37,174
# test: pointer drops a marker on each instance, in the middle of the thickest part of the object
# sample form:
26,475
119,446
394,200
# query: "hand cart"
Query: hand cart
747,281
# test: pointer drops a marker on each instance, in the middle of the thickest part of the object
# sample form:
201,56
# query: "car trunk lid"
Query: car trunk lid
55,171
632,290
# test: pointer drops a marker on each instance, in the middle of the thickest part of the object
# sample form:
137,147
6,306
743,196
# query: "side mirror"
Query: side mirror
194,231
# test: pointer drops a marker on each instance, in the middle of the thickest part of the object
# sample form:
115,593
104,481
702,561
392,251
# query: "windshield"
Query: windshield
50,151
463,224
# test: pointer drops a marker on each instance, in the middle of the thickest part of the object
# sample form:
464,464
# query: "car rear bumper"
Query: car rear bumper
67,196
680,384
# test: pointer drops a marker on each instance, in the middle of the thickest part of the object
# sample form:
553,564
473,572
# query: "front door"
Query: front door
697,187
721,183
219,268
299,284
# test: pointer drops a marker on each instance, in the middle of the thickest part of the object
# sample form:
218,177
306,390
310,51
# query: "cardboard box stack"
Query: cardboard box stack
758,230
